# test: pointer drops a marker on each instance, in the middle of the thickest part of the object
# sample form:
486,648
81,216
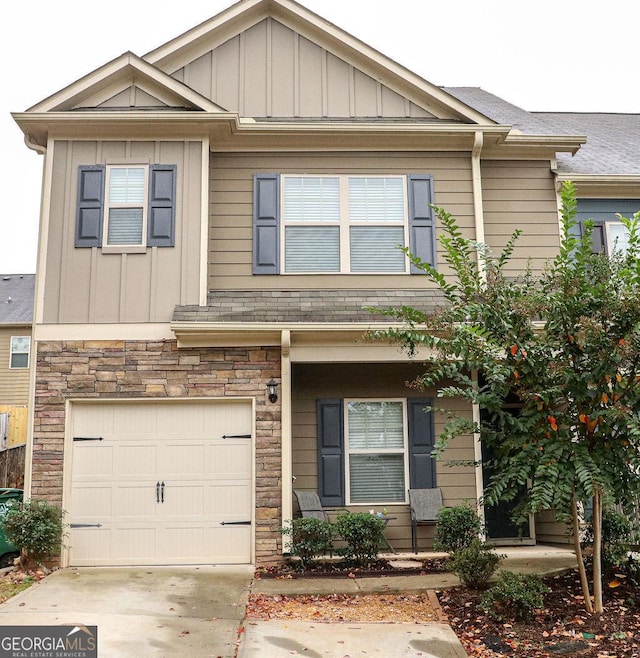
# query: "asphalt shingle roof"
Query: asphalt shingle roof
304,305
16,298
613,140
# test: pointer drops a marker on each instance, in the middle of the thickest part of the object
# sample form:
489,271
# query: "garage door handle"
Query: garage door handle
235,522
236,436
157,492
162,492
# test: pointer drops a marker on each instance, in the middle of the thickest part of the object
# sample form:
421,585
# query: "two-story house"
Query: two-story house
216,217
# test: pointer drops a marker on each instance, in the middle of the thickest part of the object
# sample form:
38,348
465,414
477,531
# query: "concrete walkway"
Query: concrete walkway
282,639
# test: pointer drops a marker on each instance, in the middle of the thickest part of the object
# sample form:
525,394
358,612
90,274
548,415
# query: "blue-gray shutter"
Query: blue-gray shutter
331,452
90,208
422,469
422,233
266,223
161,219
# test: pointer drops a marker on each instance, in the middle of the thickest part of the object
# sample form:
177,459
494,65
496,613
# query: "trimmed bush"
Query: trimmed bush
310,539
35,528
616,535
514,597
456,528
362,534
475,564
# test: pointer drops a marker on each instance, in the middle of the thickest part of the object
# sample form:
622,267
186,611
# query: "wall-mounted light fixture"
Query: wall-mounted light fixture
273,392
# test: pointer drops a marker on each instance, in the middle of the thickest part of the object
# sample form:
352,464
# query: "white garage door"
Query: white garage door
161,483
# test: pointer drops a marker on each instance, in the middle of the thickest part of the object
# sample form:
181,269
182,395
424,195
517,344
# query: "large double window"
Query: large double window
344,224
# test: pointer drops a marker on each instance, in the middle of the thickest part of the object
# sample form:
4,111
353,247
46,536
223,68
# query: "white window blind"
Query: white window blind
312,199
126,185
376,440
369,215
20,346
618,237
376,200
125,226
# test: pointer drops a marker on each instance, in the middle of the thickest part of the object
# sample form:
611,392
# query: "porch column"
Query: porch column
285,424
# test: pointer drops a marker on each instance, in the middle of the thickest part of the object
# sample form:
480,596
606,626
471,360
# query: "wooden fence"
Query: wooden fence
12,467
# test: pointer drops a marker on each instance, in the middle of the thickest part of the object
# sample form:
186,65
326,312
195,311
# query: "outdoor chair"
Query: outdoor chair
310,505
425,505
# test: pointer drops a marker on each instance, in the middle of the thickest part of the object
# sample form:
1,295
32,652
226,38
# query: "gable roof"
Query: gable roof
194,43
16,298
121,73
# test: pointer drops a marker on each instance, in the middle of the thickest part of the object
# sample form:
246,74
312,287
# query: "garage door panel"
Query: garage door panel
207,480
230,501
229,459
91,461
91,502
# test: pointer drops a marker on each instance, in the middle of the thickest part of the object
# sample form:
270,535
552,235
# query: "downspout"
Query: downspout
285,429
478,210
45,193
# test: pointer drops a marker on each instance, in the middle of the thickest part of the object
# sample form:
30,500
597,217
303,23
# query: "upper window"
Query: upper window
376,451
126,207
344,223
19,357
617,237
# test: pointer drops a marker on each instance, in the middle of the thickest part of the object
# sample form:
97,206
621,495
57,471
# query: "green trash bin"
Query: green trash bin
8,552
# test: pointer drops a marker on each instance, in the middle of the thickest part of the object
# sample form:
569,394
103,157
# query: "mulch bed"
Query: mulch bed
562,627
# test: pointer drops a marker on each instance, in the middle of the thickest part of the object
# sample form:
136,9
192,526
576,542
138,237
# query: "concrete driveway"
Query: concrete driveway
142,611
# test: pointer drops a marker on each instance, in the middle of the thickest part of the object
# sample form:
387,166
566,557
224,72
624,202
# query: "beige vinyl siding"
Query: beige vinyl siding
521,195
269,70
88,286
550,531
231,207
14,382
311,382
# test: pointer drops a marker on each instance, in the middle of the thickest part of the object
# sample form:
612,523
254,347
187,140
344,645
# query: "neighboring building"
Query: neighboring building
220,213
16,316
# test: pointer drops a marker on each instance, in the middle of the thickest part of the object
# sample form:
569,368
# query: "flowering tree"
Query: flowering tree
565,346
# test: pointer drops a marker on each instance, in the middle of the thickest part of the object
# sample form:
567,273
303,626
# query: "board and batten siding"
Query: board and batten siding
231,206
89,286
377,381
521,195
269,70
14,382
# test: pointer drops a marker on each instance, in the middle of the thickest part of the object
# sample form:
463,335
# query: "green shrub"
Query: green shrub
310,538
475,564
35,528
362,533
456,528
514,596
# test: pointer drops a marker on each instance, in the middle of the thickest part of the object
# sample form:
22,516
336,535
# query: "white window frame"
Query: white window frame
143,205
12,352
376,451
344,224
611,241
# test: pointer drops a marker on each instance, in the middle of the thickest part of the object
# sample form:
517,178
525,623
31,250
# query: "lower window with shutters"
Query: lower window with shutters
370,451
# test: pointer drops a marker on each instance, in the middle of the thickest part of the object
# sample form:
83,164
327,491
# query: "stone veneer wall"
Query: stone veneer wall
143,369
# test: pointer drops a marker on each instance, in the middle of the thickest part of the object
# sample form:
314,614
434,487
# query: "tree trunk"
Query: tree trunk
597,551
586,592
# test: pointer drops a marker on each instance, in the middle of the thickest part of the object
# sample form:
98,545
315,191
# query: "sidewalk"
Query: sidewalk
281,638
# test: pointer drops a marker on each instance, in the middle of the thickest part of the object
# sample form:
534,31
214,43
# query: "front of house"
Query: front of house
222,213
